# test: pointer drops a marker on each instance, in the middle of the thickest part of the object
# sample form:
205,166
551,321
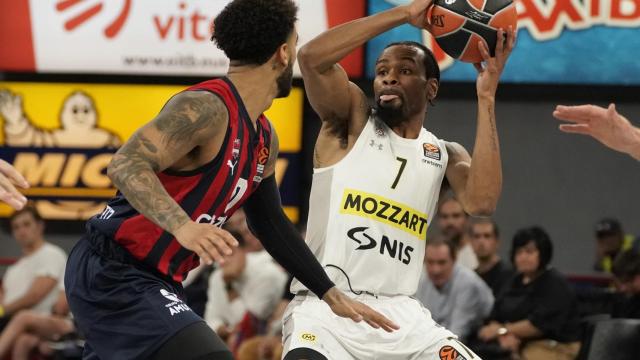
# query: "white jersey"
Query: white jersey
369,213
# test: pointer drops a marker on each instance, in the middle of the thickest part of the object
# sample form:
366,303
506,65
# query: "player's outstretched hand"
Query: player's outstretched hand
346,307
9,179
604,125
416,11
489,74
209,242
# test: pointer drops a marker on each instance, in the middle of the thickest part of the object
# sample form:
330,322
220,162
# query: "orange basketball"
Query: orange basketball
458,25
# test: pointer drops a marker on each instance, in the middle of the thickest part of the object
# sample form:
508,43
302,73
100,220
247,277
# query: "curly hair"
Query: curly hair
250,31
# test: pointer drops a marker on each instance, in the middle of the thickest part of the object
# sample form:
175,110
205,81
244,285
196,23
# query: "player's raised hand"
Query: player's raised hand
346,307
491,68
604,125
209,242
9,179
417,10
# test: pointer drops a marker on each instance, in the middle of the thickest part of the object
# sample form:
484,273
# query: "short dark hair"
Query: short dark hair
431,68
250,31
494,225
441,240
449,197
608,227
540,238
28,209
626,265
236,235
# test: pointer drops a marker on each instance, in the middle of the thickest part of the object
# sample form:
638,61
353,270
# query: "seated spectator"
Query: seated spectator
456,296
32,281
535,315
247,286
610,241
197,281
626,269
238,223
452,223
195,287
485,240
269,345
29,331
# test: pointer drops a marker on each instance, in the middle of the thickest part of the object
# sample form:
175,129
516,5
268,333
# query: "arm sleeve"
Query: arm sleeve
281,239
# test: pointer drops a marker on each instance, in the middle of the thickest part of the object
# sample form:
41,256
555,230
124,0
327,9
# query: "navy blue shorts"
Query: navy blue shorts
125,309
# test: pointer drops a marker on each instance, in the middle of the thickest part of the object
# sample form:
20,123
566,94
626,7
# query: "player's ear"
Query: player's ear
432,89
283,55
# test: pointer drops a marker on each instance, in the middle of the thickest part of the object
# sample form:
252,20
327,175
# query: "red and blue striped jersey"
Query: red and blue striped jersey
209,194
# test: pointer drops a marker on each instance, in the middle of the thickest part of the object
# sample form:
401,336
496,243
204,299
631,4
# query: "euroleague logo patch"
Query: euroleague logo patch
449,353
263,156
431,151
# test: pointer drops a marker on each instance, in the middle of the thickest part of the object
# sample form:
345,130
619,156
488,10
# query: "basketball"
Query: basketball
458,25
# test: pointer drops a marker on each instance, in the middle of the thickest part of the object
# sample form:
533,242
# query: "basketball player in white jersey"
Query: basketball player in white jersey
376,182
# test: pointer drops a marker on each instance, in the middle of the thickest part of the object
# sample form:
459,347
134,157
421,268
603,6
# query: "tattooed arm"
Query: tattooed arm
189,120
478,183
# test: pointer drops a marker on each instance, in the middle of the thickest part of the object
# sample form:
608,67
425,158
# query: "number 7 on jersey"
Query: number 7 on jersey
403,163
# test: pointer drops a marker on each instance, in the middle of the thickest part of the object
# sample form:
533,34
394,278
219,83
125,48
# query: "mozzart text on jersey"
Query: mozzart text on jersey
386,211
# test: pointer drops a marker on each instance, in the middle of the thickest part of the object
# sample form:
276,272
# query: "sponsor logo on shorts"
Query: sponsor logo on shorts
176,305
447,352
431,151
308,337
395,249
386,211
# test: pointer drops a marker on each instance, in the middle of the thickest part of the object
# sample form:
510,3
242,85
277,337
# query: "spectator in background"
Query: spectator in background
456,296
247,284
626,270
536,313
32,281
485,241
610,241
452,222
605,125
9,179
238,223
197,281
28,331
269,345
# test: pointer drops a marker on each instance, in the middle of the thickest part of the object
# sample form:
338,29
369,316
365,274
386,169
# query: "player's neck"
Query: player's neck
409,129
255,86
488,263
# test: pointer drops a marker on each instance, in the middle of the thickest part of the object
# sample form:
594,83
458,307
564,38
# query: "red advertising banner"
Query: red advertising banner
168,37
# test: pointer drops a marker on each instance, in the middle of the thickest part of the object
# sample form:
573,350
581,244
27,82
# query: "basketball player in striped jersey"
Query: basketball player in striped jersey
209,151
377,177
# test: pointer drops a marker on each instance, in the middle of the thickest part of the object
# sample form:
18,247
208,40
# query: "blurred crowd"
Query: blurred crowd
514,308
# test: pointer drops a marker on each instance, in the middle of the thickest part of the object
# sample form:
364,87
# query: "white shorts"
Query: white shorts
310,323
